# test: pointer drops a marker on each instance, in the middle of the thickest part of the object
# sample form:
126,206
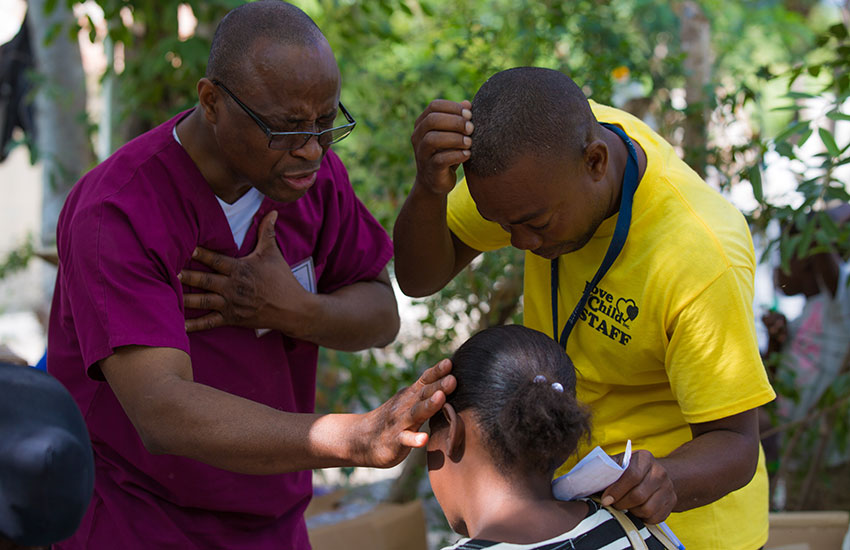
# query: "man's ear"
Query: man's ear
207,97
596,159
457,433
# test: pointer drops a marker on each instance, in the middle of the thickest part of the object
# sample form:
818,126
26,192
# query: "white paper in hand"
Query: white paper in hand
593,473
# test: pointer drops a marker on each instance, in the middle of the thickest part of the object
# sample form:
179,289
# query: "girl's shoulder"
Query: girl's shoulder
598,529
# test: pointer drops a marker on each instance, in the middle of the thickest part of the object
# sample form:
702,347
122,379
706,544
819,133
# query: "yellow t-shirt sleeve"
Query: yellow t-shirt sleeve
468,225
712,361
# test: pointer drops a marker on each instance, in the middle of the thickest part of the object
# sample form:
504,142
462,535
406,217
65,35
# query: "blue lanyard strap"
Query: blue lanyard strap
621,231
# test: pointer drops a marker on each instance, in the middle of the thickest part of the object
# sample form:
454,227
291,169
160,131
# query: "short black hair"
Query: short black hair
527,110
505,376
239,30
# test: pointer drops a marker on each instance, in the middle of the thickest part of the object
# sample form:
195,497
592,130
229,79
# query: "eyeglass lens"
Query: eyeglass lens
296,141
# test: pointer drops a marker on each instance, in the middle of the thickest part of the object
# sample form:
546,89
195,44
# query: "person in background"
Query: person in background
815,346
46,462
200,268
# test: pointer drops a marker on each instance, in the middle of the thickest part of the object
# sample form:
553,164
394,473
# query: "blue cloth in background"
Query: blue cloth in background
42,363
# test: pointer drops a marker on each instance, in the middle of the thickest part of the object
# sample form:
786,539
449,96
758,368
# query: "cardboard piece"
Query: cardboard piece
807,530
384,527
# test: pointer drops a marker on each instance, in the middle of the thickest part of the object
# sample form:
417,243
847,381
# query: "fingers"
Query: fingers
438,131
434,380
655,509
208,300
418,414
423,400
441,141
206,322
446,106
213,282
435,142
444,125
644,489
618,458
218,262
426,407
453,124
436,372
430,392
413,439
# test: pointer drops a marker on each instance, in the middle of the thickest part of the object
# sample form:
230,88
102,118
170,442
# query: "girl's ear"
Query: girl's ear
457,433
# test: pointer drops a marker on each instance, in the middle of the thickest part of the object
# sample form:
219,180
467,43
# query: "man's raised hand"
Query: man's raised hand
441,142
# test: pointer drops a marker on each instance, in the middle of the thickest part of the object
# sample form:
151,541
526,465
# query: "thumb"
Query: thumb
266,241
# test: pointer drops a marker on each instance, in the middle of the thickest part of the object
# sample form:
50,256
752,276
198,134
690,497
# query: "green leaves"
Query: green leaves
836,115
829,142
755,181
795,128
17,259
839,31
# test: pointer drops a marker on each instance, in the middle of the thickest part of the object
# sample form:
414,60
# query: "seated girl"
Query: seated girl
493,450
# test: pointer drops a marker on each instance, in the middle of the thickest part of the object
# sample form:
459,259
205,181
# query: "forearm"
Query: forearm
424,248
175,415
355,317
238,435
712,465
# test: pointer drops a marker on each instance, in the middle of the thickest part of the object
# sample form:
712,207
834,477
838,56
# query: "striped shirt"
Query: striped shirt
599,530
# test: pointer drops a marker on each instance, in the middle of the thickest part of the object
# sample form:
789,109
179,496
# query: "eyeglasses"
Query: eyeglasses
290,141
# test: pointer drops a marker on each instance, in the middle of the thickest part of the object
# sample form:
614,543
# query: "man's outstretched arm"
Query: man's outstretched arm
175,415
427,254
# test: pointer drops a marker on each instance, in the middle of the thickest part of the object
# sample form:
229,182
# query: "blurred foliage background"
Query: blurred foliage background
737,86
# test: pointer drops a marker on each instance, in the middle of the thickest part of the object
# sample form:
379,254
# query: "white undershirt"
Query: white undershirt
240,214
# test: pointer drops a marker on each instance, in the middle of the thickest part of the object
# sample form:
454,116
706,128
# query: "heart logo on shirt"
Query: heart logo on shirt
628,307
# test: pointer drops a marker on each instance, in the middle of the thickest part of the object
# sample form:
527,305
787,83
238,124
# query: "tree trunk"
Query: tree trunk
63,144
696,44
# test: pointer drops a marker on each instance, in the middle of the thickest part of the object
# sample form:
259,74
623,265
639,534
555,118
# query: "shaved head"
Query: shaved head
267,20
527,111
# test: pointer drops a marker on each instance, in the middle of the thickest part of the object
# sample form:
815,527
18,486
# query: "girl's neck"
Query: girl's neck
520,513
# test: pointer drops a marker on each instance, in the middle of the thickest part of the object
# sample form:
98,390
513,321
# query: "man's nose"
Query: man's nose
524,239
311,150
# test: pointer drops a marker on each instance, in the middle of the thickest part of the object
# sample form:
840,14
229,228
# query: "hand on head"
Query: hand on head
441,142
387,433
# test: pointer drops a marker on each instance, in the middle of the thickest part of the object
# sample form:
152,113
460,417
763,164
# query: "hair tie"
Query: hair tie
540,379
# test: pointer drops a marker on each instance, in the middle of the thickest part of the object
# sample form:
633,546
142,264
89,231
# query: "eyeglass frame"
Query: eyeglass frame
307,135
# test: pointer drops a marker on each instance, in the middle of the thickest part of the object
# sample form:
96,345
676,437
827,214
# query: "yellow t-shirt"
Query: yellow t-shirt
668,337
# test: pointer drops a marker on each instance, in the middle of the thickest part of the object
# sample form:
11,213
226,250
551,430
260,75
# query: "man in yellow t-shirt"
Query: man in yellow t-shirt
665,345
